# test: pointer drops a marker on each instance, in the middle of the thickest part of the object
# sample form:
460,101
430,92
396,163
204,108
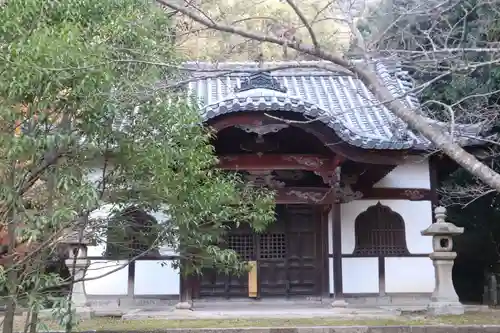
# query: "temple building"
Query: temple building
355,188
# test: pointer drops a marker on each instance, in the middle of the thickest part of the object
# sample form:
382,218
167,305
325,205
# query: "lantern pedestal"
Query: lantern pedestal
78,294
444,300
78,264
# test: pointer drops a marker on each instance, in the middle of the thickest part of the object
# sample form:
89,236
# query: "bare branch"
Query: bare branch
371,80
303,19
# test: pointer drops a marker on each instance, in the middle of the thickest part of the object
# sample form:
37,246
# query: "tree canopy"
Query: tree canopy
83,89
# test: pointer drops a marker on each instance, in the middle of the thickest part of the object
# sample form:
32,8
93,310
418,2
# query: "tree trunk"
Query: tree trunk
440,139
9,266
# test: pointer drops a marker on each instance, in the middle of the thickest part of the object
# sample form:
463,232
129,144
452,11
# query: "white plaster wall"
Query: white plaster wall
95,175
98,249
156,277
105,211
330,251
151,278
360,275
331,284
416,214
409,275
115,283
413,174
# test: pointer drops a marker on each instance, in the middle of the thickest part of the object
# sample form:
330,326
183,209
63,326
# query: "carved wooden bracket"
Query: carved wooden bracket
414,194
329,177
262,129
341,190
263,178
313,162
346,194
308,196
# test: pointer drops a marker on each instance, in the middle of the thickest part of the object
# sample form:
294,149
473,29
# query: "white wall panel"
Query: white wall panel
153,278
414,173
409,275
115,283
360,275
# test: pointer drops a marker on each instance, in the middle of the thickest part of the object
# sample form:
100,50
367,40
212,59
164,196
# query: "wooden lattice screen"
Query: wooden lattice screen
379,231
243,245
273,246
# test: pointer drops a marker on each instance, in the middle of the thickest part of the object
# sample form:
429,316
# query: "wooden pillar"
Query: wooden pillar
339,300
324,241
381,275
185,290
131,279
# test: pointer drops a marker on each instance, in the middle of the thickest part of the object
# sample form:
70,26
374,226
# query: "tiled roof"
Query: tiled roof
340,101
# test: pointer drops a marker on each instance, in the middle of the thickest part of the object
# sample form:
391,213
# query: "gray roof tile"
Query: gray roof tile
341,102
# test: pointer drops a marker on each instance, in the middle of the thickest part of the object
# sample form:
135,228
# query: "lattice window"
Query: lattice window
130,233
381,232
243,245
272,246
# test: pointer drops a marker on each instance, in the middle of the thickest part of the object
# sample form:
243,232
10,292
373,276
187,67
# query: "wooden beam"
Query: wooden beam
302,195
254,162
323,195
413,194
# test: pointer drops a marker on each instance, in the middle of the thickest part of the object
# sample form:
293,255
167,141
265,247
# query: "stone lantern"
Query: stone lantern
444,300
78,263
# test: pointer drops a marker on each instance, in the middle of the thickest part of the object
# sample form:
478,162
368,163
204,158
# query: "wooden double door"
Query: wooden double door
289,256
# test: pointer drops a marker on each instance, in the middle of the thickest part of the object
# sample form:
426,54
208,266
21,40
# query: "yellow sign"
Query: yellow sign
17,129
252,279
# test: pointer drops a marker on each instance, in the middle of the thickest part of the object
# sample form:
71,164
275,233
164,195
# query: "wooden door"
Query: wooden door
290,260
271,257
304,256
288,255
216,284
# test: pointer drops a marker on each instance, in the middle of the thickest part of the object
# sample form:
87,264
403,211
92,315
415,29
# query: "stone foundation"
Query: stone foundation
421,300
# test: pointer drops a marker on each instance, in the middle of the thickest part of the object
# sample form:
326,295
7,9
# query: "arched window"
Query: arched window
131,233
379,231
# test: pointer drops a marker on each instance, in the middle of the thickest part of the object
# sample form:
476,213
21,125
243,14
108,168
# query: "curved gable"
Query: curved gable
263,92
